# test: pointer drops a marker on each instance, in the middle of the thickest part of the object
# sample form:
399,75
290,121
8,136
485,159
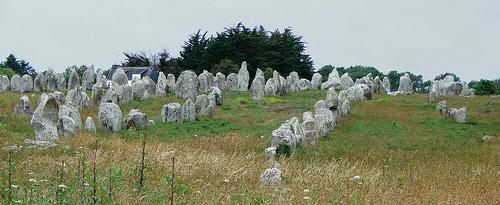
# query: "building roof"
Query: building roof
151,72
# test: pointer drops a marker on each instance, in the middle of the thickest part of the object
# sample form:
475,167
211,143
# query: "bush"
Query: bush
443,75
283,149
226,67
268,73
485,87
7,72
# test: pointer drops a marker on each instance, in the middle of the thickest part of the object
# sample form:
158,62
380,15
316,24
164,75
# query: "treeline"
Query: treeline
482,87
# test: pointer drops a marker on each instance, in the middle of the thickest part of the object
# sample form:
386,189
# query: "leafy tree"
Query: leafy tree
79,69
171,66
20,67
7,72
485,87
417,80
443,75
226,67
497,83
268,73
136,60
194,53
325,71
359,71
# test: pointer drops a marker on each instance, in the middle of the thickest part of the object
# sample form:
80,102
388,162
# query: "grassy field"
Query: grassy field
391,150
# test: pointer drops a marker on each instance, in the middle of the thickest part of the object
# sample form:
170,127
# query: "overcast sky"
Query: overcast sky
422,36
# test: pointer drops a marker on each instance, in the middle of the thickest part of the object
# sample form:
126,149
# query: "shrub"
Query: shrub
7,72
268,73
485,87
226,67
283,149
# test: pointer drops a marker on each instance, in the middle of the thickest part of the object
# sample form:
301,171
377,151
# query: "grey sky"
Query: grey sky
422,36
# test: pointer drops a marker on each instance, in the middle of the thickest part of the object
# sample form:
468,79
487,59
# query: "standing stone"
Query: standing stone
202,106
331,83
465,89
332,99
188,111
284,134
316,81
186,86
304,84
27,84
309,127
433,96
51,77
89,125
61,82
258,85
73,80
379,85
387,84
40,82
4,83
69,120
113,94
126,94
271,176
320,104
171,112
59,96
110,116
88,78
217,94
442,107
293,80
334,74
171,82
280,83
325,121
345,81
15,83
138,90
270,87
161,85
97,93
77,98
100,78
120,77
459,115
135,118
220,81
45,119
206,81
405,84
232,82
243,77
23,106
345,107
150,85
72,112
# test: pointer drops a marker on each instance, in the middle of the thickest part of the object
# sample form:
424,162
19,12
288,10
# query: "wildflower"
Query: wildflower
307,198
18,201
62,186
357,177
306,190
226,180
86,184
43,180
14,186
32,180
261,137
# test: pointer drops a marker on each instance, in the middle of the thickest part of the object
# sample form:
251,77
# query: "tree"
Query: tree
443,75
79,69
7,72
485,87
325,71
139,59
226,67
20,67
358,71
417,80
194,52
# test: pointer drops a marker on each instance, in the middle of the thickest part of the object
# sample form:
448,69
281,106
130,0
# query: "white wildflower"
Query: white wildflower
32,180
357,177
62,186
14,186
306,190
307,198
226,180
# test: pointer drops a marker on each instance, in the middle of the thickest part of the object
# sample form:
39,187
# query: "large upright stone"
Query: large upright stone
90,125
161,85
77,97
332,99
135,118
16,83
171,82
40,82
293,81
120,77
270,87
203,106
45,119
138,90
442,107
220,81
357,92
304,84
379,85
127,94
88,78
232,82
23,106
97,94
60,97
387,84
61,82
345,107
51,77
217,94
243,77
258,85
206,81
4,83
150,85
345,81
309,127
69,120
110,116
188,111
405,85
187,85
73,79
316,80
27,84
284,134
281,85
333,74
325,121
171,112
